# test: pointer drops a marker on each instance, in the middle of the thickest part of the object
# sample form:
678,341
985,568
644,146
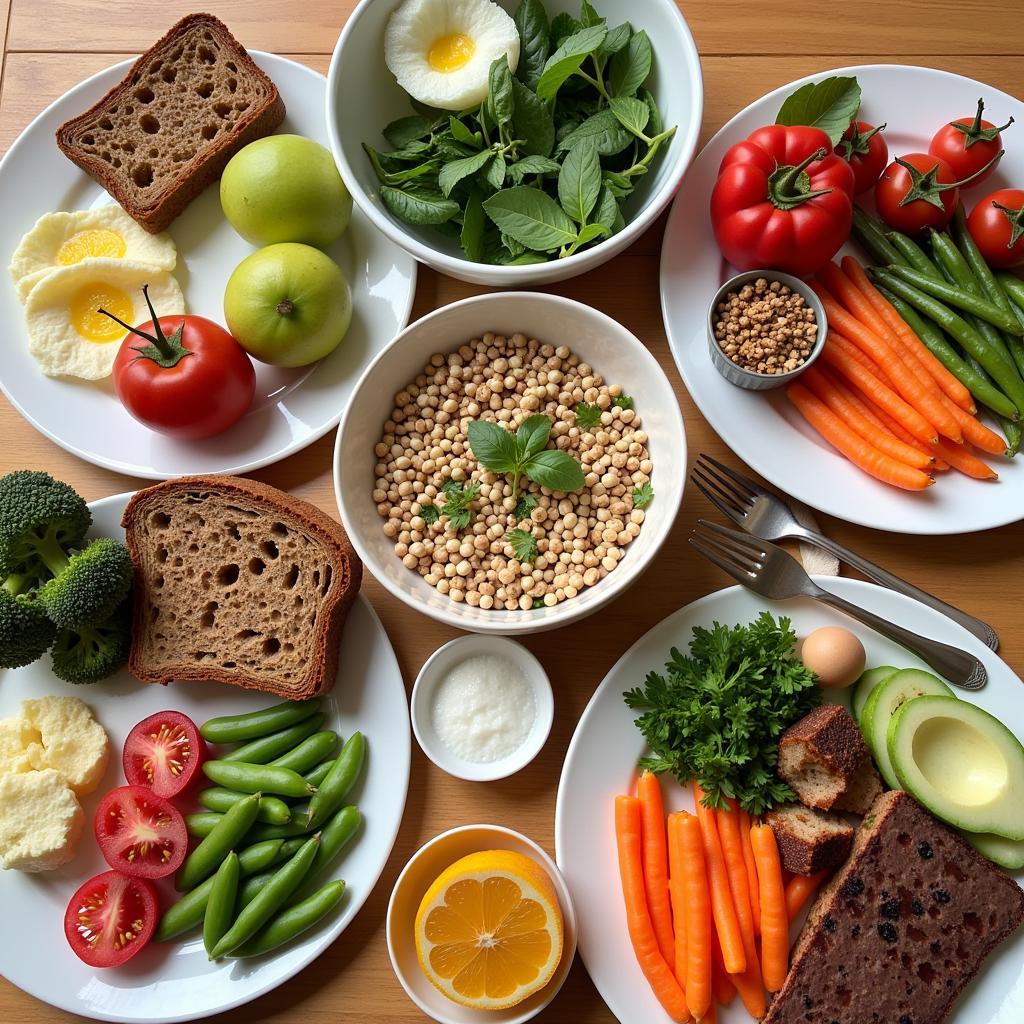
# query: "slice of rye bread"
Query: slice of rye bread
237,582
903,926
168,129
865,788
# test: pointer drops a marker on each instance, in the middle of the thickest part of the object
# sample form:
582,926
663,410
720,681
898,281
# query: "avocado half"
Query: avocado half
961,763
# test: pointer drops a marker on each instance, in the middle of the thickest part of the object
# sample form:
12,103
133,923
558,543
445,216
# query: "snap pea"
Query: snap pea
251,887
340,779
267,748
298,826
202,823
319,773
334,837
188,911
239,728
273,810
220,908
269,900
223,838
972,254
257,778
913,255
1013,288
290,923
871,235
309,753
1014,434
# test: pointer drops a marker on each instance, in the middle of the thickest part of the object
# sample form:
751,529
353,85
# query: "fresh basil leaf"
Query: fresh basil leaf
532,121
433,114
450,228
412,152
532,435
531,217
606,209
446,148
631,113
619,185
499,92
563,25
654,123
588,16
452,173
526,259
556,470
418,206
579,183
616,39
631,65
829,105
494,172
603,129
473,221
462,134
493,447
514,248
566,60
532,165
534,46
587,234
406,130
397,177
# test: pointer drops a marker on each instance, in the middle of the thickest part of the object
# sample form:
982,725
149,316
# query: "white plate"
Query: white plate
292,408
764,429
175,981
601,763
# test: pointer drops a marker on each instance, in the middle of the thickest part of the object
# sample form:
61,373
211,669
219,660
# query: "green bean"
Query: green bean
223,838
1014,434
972,254
309,753
319,773
334,837
273,810
269,900
188,911
220,908
871,235
1012,287
913,255
238,728
291,923
340,780
267,748
257,778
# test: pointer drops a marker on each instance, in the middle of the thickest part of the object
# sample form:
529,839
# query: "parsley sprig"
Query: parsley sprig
457,507
524,544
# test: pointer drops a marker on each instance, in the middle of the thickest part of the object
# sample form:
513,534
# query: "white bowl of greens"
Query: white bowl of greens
545,234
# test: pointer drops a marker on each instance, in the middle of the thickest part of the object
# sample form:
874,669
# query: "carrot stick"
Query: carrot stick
856,449
976,432
655,860
677,894
748,858
775,919
960,458
628,836
686,832
721,981
896,430
837,281
799,890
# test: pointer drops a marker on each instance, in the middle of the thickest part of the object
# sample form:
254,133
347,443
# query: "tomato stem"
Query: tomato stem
925,186
789,186
973,132
1016,219
164,351
857,143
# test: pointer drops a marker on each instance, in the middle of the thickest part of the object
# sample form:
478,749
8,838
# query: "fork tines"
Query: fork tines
727,490
734,552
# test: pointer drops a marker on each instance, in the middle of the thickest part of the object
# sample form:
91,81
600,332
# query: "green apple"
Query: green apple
288,304
285,188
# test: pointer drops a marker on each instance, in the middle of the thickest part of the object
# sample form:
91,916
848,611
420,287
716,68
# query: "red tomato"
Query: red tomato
163,753
192,380
997,226
915,192
864,149
139,833
971,146
110,919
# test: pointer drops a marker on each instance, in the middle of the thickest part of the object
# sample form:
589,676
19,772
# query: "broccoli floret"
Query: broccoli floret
89,586
39,519
92,653
25,630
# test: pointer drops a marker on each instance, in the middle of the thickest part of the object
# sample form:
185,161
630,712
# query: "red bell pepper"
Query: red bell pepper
783,201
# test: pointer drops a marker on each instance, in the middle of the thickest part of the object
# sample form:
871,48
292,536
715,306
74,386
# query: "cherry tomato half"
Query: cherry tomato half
924,175
970,145
139,833
865,150
997,226
110,919
163,753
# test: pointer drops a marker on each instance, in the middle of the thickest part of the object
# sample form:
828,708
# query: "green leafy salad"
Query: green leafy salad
541,168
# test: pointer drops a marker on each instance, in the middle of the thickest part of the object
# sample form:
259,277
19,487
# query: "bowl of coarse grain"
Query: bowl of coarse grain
363,97
482,573
783,334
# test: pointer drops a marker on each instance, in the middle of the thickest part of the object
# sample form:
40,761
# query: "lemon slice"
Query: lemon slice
489,930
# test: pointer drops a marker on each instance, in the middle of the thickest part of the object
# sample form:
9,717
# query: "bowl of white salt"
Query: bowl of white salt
482,707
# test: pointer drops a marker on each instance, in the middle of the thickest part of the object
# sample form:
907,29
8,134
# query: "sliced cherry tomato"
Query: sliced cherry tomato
867,153
110,919
140,833
997,226
163,752
970,145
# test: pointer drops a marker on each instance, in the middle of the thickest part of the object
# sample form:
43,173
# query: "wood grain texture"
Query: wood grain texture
747,49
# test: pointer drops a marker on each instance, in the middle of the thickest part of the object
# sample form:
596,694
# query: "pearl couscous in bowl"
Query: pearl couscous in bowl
402,448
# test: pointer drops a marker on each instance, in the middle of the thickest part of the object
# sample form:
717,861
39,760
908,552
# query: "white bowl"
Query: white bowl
606,345
363,96
437,666
423,868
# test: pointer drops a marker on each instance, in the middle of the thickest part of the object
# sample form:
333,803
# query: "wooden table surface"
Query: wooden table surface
747,49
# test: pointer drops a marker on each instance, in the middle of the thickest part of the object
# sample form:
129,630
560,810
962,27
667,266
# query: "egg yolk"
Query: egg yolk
91,243
451,52
91,324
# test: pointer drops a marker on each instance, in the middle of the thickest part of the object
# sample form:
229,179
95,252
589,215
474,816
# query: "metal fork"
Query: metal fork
773,573
768,517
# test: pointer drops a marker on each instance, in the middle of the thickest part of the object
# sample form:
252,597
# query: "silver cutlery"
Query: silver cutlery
768,517
774,573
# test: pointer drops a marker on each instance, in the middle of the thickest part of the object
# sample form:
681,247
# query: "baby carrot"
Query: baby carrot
799,890
697,914
655,861
721,981
677,894
774,918
748,858
837,281
976,432
960,458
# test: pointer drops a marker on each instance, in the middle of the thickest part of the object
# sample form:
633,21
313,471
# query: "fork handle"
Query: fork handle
958,667
982,630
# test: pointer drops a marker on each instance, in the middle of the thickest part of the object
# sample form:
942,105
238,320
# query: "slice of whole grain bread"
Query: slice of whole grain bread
237,582
167,130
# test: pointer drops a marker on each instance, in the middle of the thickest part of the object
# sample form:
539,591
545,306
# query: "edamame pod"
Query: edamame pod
269,900
220,908
266,748
257,778
290,923
319,773
272,810
239,728
309,753
334,837
340,779
223,838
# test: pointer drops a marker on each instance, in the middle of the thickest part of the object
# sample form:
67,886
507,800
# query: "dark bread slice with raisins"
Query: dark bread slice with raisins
167,130
237,582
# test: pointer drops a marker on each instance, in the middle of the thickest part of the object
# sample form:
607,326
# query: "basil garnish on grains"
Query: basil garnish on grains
542,168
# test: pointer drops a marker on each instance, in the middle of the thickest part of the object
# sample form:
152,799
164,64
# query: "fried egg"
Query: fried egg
67,333
64,239
441,51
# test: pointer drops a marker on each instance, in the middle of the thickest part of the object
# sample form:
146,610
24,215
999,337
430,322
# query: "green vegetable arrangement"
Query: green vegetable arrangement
542,167
717,715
